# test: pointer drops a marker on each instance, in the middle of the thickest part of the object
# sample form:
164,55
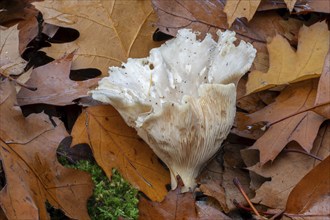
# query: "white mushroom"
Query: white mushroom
181,99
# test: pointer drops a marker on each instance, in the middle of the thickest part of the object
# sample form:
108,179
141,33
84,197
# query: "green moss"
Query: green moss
110,200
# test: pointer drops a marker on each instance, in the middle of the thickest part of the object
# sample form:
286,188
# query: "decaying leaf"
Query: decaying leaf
310,197
287,170
323,90
287,65
33,174
11,62
289,120
115,145
54,85
240,8
110,31
175,206
15,10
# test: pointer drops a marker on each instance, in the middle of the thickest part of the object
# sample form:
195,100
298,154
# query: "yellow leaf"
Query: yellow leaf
240,8
110,31
115,145
287,65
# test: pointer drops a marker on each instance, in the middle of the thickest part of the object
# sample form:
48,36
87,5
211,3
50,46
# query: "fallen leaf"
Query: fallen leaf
11,62
240,8
176,206
115,145
11,119
311,195
53,84
234,167
110,31
305,63
300,7
287,170
33,174
15,10
208,17
207,212
323,90
289,119
290,4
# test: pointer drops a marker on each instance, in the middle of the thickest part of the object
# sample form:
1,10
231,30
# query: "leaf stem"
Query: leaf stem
296,113
302,152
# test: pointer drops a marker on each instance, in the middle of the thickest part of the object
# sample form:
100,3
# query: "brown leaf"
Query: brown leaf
300,7
207,212
311,194
54,85
110,31
11,62
240,8
33,174
289,120
176,206
115,145
208,16
11,119
305,63
323,90
287,170
15,10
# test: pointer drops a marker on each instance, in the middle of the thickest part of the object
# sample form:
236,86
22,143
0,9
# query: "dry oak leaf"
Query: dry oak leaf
323,90
240,8
246,8
11,62
311,196
287,170
53,84
33,174
110,31
115,145
208,17
176,206
300,6
287,65
290,119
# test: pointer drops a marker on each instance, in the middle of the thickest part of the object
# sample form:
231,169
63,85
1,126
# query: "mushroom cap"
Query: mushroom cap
181,99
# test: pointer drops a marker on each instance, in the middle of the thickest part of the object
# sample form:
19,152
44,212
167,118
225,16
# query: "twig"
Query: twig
18,83
239,186
240,206
296,113
302,152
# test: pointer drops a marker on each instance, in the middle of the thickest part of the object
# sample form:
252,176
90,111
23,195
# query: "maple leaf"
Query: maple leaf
53,84
33,174
288,66
115,145
287,170
289,119
310,196
110,31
